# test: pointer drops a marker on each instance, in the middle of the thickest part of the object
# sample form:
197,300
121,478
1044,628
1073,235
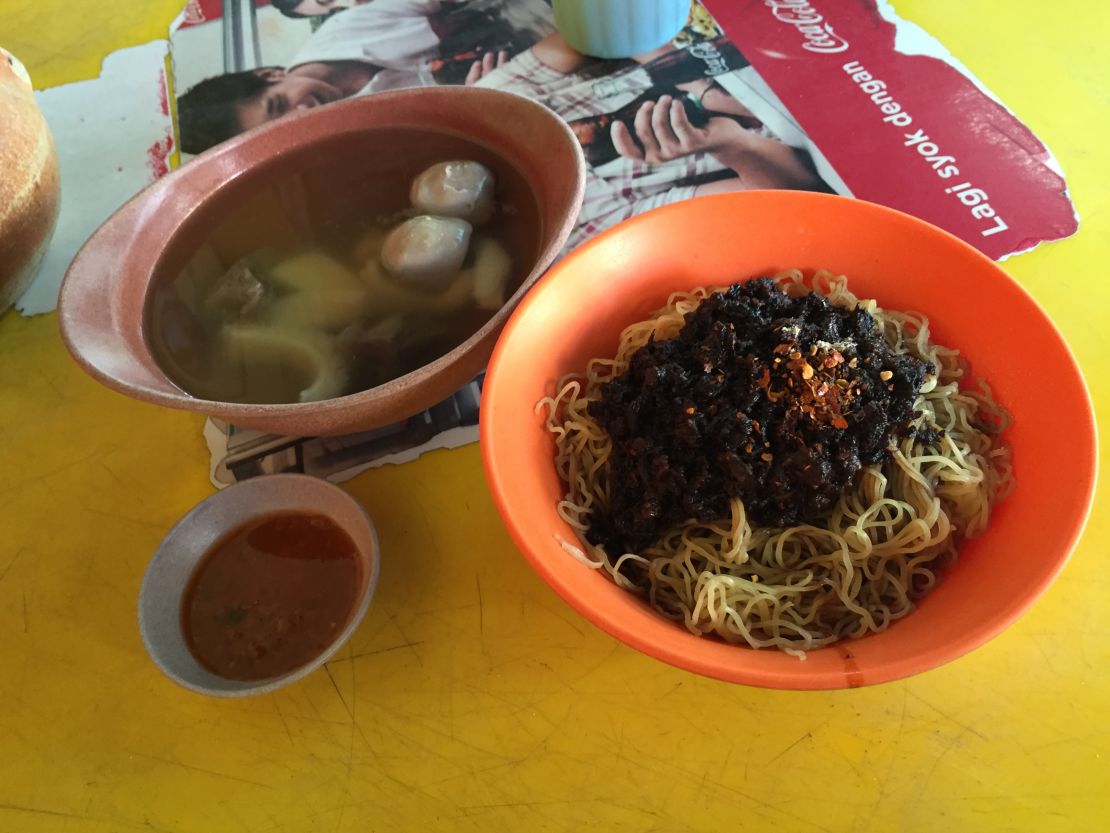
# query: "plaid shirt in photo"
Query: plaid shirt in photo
623,187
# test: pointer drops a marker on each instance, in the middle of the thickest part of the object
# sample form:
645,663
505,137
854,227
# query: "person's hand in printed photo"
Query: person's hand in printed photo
485,65
662,132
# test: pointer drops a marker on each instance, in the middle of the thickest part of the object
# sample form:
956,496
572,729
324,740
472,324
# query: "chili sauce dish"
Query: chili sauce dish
258,585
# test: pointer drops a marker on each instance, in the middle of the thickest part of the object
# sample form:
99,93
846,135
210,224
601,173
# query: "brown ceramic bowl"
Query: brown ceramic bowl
104,298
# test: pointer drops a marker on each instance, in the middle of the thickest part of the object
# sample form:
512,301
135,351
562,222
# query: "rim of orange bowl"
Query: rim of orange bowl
918,662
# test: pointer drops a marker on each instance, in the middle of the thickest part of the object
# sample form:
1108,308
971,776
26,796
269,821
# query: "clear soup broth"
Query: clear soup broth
288,300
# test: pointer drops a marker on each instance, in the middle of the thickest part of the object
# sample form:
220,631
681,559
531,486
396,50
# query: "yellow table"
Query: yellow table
472,698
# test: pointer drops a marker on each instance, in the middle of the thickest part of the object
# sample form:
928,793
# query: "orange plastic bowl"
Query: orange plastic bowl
577,310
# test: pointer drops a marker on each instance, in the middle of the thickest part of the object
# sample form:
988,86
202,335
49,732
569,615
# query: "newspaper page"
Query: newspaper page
239,63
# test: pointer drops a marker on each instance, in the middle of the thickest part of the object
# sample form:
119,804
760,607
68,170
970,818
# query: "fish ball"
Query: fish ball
427,252
455,189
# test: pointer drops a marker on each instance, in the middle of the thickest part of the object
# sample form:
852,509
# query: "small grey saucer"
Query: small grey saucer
173,563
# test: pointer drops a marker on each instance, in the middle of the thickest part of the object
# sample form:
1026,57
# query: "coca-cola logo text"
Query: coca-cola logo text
715,63
818,33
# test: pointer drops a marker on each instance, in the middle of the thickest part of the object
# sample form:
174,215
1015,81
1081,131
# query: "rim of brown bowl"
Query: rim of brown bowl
103,298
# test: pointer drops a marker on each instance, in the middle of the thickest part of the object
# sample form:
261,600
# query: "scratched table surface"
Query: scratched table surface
472,698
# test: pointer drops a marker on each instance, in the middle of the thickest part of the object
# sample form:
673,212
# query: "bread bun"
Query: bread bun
29,186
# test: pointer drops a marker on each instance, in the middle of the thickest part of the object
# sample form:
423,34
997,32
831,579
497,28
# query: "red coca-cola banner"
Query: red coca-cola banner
910,131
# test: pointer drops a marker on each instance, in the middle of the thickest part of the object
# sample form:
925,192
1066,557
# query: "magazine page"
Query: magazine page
760,103
229,72
903,121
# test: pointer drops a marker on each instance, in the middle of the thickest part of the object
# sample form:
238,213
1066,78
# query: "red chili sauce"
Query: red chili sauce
271,595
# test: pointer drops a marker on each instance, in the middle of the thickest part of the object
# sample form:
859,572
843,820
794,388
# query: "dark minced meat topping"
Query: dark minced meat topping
774,399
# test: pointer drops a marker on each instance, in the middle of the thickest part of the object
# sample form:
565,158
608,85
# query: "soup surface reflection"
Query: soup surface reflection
348,274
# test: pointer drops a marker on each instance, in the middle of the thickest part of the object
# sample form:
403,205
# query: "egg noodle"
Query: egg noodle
804,586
